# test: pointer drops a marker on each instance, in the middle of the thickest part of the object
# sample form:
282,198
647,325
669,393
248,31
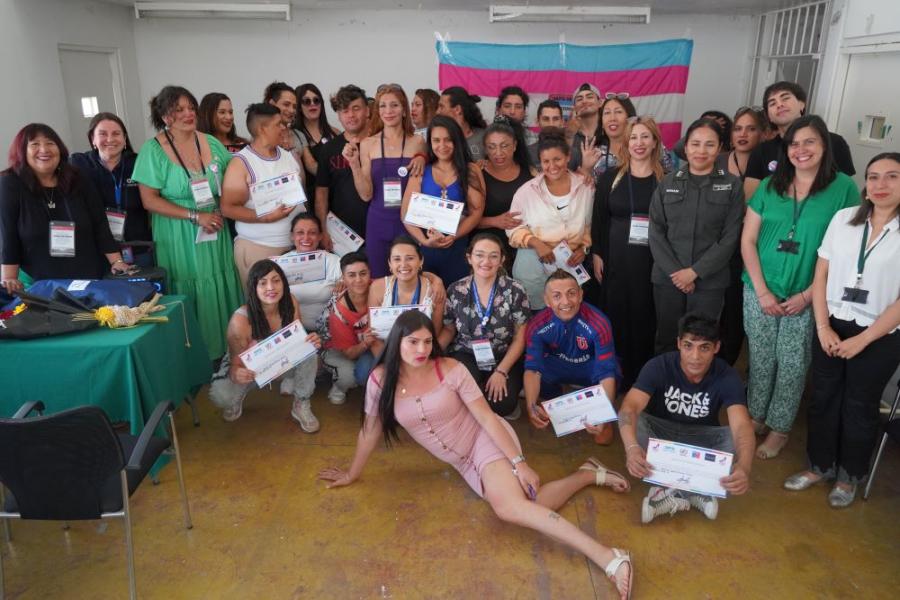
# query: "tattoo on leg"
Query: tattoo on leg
553,516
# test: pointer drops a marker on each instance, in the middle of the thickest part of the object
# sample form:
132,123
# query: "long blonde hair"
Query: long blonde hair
624,157
394,89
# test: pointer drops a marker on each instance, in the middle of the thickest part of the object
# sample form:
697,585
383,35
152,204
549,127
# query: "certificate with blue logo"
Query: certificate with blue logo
571,412
689,468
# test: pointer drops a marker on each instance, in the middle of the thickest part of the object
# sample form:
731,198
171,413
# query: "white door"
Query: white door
89,84
869,117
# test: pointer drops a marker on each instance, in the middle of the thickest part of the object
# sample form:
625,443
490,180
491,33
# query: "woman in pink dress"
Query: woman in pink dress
439,404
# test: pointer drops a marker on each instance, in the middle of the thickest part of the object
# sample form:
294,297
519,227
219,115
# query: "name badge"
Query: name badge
639,233
484,355
116,220
855,295
62,239
393,192
788,246
721,187
128,254
202,193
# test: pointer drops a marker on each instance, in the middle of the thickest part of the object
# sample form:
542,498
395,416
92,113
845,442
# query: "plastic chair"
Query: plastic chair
72,466
891,429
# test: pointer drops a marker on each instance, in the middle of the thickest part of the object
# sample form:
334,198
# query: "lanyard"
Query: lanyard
117,184
798,210
737,165
485,314
395,299
178,156
863,255
402,145
631,193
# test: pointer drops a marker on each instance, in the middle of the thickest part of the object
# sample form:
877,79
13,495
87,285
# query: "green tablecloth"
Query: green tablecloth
126,372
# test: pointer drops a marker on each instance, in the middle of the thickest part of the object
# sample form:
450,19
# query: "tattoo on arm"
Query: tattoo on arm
624,420
554,516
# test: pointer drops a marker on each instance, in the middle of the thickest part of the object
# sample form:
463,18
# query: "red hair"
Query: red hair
67,175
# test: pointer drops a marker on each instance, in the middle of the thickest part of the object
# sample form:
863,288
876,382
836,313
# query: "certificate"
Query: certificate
688,468
381,318
345,240
284,190
302,267
430,212
571,412
562,252
278,353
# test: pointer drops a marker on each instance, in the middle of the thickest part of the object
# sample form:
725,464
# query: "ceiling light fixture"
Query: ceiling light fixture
634,15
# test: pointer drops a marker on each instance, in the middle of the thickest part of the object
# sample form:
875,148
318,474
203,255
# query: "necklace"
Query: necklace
50,202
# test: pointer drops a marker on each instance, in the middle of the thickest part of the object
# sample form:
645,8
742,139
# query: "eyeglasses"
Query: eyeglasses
494,147
617,95
311,101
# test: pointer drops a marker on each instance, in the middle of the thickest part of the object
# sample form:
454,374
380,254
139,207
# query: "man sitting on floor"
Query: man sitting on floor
568,343
677,397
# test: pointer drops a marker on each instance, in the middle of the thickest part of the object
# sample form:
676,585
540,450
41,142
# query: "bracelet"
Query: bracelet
630,446
193,216
418,154
519,458
502,372
821,327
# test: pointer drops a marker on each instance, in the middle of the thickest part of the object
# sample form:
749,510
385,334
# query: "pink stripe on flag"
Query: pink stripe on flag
670,133
638,82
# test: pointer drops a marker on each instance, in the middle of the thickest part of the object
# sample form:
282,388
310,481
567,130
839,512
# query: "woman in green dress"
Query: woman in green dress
180,175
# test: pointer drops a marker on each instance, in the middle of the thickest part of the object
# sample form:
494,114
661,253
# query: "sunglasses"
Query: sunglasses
387,86
617,95
640,119
311,101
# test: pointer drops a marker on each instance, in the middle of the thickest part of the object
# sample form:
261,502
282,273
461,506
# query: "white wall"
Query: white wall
30,31
335,47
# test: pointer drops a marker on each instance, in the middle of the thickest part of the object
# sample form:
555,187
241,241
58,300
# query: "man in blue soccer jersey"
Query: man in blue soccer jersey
568,343
677,398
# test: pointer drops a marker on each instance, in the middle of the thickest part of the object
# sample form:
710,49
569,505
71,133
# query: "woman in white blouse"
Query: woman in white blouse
553,207
856,301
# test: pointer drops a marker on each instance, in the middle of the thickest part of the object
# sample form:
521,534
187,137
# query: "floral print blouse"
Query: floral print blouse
511,309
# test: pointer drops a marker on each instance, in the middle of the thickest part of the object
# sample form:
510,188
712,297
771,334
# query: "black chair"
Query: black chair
891,429
72,466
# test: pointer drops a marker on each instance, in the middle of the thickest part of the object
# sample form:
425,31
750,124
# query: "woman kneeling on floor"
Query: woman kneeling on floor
439,404
269,308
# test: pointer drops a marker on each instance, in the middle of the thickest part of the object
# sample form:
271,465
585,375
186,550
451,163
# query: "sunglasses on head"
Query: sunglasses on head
314,101
757,109
387,86
639,119
617,95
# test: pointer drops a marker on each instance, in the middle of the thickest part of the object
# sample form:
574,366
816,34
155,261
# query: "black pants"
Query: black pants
731,324
843,411
672,304
508,403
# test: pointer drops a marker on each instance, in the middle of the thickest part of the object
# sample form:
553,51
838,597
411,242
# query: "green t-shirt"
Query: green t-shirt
787,274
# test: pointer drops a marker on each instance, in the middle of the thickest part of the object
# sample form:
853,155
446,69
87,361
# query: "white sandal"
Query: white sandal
621,557
602,473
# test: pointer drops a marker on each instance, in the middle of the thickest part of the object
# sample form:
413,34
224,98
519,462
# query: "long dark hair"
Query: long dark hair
406,324
259,325
206,115
865,205
783,176
462,157
66,175
458,96
108,116
274,90
516,131
299,122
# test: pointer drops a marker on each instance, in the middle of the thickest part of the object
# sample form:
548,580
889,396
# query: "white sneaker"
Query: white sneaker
287,386
233,412
708,505
336,395
660,501
302,413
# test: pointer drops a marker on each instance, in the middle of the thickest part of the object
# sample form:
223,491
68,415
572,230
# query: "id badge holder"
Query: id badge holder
639,231
128,254
116,220
484,355
393,192
855,295
788,246
62,239
202,193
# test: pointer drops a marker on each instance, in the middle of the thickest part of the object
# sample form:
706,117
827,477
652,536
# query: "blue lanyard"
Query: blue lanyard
484,313
117,184
415,299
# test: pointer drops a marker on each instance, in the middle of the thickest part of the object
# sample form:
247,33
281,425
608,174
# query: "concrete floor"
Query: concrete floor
264,527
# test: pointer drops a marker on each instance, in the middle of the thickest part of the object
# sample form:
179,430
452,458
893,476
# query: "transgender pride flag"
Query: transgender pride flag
654,74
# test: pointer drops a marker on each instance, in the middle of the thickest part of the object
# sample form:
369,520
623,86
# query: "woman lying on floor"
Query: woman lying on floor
439,404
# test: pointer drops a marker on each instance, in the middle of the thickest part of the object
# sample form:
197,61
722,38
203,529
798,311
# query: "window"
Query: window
89,107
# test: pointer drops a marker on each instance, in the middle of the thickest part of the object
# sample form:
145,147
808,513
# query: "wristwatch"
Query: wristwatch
514,461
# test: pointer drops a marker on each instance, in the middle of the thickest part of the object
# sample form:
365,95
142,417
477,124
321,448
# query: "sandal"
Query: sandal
621,557
770,448
802,481
601,474
760,428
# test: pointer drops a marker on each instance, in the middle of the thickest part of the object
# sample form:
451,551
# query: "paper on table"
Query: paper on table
689,468
345,240
570,412
562,252
302,267
381,318
278,353
283,190
431,212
